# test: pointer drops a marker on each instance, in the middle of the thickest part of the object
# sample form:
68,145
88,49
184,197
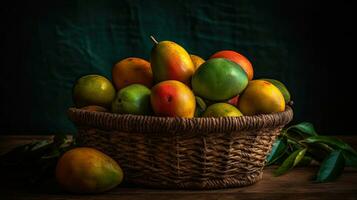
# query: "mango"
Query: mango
197,61
222,110
170,61
173,99
87,170
261,97
281,87
237,58
133,99
219,79
93,90
130,71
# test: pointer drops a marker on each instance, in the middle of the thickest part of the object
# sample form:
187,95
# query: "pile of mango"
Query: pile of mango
173,84
177,84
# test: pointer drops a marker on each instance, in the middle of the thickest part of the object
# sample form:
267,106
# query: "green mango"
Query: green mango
219,79
133,99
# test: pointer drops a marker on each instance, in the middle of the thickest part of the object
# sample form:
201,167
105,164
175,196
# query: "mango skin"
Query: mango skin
234,101
133,99
261,97
87,170
170,61
173,99
197,61
222,110
281,87
130,71
219,79
237,58
93,90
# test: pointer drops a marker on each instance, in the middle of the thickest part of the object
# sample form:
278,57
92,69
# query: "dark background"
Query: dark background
308,45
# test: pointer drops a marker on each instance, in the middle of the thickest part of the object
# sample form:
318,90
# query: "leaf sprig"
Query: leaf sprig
299,145
35,162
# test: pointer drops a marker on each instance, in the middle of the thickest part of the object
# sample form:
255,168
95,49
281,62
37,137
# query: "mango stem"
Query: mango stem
153,39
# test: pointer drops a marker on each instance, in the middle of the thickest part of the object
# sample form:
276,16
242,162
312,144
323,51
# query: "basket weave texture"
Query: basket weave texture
181,153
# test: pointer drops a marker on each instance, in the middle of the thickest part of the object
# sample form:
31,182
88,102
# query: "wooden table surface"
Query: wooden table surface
296,184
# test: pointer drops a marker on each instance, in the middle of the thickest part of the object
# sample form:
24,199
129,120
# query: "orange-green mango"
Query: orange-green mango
261,97
87,170
237,58
173,99
282,89
170,61
219,79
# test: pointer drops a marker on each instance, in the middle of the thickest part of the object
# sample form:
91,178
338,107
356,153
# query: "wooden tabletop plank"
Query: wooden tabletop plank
296,184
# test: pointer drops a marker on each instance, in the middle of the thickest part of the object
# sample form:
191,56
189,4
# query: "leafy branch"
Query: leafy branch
36,161
300,145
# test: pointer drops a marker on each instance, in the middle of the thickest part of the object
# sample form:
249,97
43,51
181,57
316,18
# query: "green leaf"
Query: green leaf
331,141
288,163
332,167
301,131
282,158
319,151
305,161
299,157
350,158
278,150
304,128
293,145
40,145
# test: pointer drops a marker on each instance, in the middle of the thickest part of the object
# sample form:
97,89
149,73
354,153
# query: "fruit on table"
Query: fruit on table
173,99
261,97
200,107
87,170
197,61
219,79
93,90
281,87
170,61
132,70
237,58
222,110
133,99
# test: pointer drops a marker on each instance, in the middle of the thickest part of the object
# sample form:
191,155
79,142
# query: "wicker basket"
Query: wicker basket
198,153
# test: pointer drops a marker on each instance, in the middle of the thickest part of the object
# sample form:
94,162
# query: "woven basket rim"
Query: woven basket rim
175,125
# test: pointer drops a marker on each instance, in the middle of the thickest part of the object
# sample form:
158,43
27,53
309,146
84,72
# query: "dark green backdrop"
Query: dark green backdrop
49,45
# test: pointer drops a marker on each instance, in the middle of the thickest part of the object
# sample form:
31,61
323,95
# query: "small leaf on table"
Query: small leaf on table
331,167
